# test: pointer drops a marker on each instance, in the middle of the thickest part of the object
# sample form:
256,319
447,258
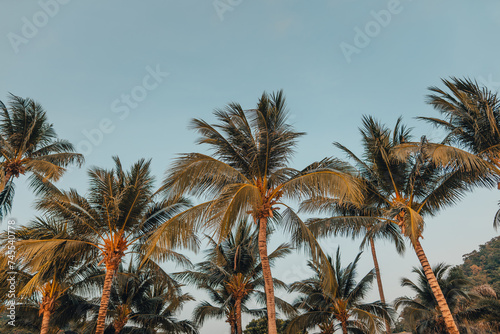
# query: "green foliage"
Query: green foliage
421,313
232,271
483,266
259,326
340,305
29,145
476,309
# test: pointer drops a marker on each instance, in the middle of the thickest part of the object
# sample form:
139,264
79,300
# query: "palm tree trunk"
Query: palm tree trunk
106,292
344,327
379,282
268,278
436,289
45,322
239,328
119,328
48,304
233,327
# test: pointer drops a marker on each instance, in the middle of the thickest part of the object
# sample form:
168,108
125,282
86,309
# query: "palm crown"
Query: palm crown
340,305
29,144
471,116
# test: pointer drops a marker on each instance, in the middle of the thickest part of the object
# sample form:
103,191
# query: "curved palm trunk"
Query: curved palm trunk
239,327
436,289
106,292
268,278
379,282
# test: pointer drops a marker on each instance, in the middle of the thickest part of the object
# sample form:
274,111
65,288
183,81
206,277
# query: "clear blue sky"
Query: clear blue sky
89,63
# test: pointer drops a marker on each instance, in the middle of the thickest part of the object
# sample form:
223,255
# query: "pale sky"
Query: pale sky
130,75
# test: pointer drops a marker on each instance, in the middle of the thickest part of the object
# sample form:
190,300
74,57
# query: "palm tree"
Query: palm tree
471,119
359,220
29,144
422,311
248,175
340,305
157,311
231,275
349,222
120,211
407,180
144,299
51,288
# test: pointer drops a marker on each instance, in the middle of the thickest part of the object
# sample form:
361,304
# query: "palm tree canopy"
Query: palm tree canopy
401,176
248,171
471,119
339,302
147,298
232,270
117,215
471,116
29,144
56,285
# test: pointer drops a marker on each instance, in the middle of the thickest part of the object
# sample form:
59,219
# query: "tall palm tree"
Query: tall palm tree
361,220
408,180
338,306
232,274
248,174
29,144
471,119
120,211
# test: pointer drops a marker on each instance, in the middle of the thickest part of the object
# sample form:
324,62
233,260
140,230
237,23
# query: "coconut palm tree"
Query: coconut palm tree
338,306
409,180
29,144
422,311
120,211
471,119
349,220
248,174
144,299
232,275
361,220
51,288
